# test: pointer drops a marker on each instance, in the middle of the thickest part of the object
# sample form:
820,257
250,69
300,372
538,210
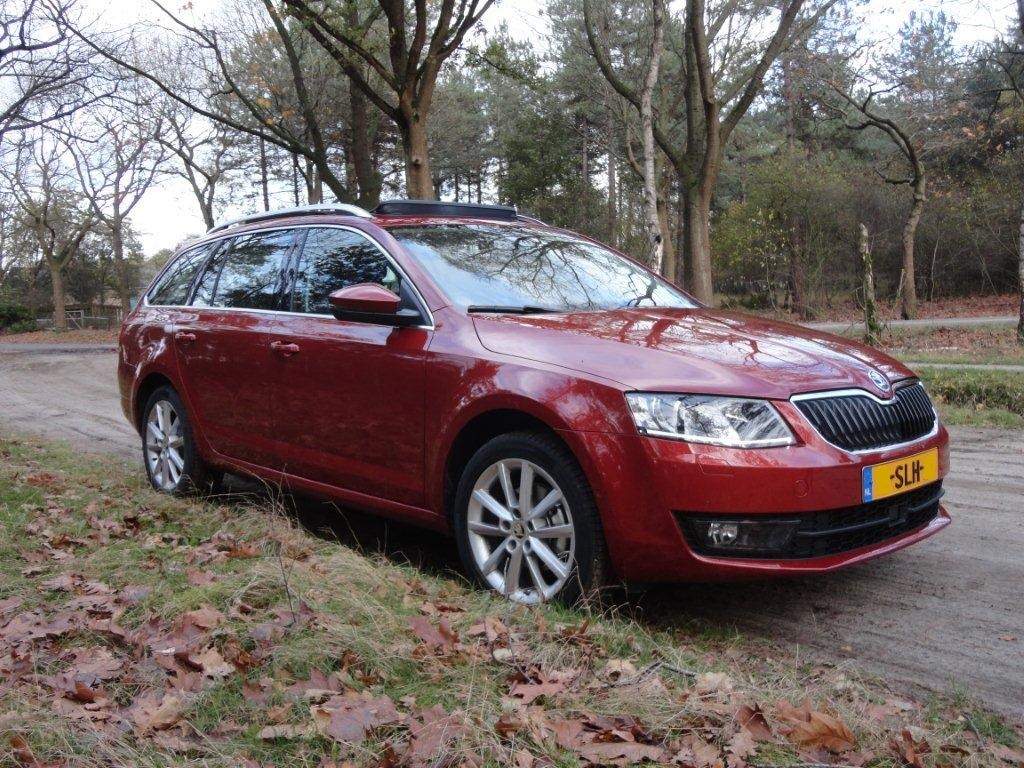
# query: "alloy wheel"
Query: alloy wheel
521,531
165,445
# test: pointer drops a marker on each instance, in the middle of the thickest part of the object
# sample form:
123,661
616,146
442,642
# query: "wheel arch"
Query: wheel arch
480,429
150,384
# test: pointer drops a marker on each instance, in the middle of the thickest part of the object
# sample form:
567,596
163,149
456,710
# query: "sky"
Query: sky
168,214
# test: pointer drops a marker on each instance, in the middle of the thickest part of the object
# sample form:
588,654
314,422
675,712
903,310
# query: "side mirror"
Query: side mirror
371,303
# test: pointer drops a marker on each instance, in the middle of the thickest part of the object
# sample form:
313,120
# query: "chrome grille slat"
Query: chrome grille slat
860,422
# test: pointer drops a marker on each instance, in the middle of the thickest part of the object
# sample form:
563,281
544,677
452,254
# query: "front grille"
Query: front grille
834,531
861,423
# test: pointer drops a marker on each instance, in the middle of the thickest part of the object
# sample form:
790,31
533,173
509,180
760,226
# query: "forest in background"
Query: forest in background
749,149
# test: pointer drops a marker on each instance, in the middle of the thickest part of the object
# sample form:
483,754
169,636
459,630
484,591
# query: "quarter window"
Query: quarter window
174,284
247,274
337,258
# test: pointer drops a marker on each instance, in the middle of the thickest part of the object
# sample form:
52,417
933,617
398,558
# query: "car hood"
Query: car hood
691,350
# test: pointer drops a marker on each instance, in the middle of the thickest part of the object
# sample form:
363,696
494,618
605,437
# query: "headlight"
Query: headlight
733,421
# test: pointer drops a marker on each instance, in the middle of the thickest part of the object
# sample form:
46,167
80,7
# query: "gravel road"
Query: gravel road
945,614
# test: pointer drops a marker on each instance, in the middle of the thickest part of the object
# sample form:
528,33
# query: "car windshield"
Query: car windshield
489,267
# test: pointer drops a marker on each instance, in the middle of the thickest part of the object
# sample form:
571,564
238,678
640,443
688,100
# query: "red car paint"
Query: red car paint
373,415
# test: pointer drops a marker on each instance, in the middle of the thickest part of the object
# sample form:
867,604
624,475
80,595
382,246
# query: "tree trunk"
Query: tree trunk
264,181
120,264
668,262
613,219
1020,276
698,245
60,318
418,182
655,241
909,307
872,329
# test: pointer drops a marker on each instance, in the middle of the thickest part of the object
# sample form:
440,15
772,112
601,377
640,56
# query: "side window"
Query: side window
247,273
174,284
337,258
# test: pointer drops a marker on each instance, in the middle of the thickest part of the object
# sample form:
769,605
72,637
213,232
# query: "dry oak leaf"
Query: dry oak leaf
620,753
286,731
822,731
909,749
752,719
435,638
1008,754
618,669
349,718
432,733
155,711
740,747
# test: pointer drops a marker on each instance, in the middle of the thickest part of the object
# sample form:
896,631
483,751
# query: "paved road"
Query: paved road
948,612
923,322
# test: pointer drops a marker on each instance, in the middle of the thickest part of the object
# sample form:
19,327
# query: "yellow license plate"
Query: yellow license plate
882,480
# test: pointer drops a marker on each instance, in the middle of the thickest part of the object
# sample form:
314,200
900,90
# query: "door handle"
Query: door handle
283,348
184,337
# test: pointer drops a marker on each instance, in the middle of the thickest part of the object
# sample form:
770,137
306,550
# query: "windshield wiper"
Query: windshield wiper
526,309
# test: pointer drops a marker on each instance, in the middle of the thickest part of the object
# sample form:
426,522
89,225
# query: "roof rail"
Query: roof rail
439,208
342,209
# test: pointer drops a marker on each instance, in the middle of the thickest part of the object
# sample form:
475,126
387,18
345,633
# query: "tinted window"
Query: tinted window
337,258
247,274
174,284
498,265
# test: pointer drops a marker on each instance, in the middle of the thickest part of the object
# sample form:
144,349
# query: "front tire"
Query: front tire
173,464
526,523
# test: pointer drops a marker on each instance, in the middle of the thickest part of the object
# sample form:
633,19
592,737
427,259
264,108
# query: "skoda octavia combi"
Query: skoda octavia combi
567,414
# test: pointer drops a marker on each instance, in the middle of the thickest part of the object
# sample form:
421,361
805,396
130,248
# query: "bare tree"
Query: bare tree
117,157
38,176
862,114
403,83
224,74
204,151
44,75
723,72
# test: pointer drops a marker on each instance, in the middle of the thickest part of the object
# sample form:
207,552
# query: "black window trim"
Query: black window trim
417,295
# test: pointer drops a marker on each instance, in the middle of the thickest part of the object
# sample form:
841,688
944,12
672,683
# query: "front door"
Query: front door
349,399
224,348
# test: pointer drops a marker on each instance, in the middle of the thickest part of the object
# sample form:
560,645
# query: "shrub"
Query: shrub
16,318
972,388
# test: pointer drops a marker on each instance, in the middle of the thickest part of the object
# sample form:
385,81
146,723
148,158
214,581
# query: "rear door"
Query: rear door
350,399
224,350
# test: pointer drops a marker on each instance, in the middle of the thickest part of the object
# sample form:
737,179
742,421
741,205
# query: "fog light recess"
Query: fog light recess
749,536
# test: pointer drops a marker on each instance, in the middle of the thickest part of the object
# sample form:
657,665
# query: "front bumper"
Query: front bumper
647,487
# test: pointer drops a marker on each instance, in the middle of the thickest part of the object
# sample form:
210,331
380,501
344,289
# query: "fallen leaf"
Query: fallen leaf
909,749
349,718
753,720
824,731
286,731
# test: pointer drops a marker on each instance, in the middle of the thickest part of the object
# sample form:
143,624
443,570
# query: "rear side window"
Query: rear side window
174,283
246,274
337,258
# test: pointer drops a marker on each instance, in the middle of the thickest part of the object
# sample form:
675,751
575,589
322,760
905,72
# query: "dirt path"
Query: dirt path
946,613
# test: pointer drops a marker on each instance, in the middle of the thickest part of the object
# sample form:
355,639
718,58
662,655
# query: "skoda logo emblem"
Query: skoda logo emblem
880,381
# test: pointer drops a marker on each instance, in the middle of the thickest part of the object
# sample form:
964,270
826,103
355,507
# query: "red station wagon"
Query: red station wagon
566,413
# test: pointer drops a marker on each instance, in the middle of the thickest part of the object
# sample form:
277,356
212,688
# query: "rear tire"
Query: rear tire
173,463
548,545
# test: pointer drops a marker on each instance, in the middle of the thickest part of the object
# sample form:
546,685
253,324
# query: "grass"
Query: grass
977,397
973,345
65,515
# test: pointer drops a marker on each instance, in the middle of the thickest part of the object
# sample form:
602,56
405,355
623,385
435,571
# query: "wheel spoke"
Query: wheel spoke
165,469
175,441
494,559
485,529
176,460
553,532
161,416
551,560
545,505
156,432
535,575
515,564
492,505
505,476
525,487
